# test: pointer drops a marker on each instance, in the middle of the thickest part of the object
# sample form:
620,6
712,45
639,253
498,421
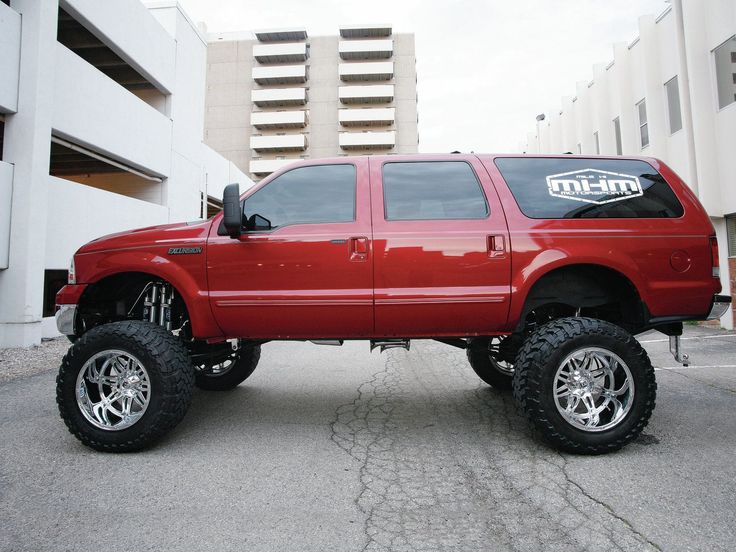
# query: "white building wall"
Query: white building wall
679,43
159,132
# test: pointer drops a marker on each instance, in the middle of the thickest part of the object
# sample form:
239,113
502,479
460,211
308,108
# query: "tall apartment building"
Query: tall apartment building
101,128
670,94
281,95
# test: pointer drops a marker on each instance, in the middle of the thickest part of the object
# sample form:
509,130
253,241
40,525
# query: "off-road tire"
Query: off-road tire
172,381
484,365
242,368
535,368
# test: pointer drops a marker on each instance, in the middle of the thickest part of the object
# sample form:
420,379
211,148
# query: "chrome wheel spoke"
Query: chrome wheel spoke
113,390
585,389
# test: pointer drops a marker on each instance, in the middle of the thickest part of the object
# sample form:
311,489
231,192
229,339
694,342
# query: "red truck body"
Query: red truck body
378,278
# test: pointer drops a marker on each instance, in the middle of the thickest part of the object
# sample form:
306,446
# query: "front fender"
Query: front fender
187,274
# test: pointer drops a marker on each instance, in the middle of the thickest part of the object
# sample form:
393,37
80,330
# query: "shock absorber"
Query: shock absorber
157,304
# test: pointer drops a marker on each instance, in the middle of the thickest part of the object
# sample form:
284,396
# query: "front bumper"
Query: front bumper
719,307
66,316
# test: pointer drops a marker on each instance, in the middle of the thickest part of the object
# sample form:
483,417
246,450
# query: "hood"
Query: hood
161,235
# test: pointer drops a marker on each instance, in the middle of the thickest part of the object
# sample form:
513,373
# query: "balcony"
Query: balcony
278,119
367,140
279,97
366,49
264,167
282,35
372,30
280,74
373,93
286,52
369,71
367,116
287,142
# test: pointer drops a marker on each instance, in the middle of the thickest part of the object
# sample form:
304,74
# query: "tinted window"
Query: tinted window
319,193
432,190
588,188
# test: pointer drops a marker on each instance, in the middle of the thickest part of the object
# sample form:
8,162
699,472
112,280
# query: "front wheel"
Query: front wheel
491,362
586,385
122,386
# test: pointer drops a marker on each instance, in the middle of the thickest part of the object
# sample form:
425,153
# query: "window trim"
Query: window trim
643,102
679,105
472,170
355,199
617,135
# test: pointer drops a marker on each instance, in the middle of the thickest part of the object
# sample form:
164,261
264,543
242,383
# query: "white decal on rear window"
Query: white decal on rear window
594,186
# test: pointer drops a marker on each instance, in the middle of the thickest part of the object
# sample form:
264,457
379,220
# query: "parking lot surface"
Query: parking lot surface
339,449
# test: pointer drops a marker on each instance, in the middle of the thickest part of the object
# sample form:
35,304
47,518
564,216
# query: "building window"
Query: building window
641,108
617,133
597,143
725,57
672,90
53,281
731,234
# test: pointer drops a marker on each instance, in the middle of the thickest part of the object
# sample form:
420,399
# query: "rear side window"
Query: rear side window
556,188
312,194
432,190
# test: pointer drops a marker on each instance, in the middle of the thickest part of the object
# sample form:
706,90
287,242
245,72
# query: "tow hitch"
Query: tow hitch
676,350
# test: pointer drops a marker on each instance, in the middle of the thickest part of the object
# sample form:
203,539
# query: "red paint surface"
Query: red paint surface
378,278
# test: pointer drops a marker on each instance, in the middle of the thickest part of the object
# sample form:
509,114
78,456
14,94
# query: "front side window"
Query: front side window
432,190
306,195
673,105
641,108
556,188
725,57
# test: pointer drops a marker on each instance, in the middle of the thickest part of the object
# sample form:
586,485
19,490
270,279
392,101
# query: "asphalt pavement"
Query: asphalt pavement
328,448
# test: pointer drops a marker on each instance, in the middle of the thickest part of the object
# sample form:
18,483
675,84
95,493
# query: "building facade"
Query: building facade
101,128
276,96
670,94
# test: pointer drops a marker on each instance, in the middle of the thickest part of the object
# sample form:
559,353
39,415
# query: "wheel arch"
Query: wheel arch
583,285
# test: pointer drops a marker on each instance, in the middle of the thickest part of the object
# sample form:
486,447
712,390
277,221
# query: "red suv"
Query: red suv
541,267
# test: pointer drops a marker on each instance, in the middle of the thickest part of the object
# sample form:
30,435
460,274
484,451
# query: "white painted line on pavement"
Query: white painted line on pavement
691,366
688,338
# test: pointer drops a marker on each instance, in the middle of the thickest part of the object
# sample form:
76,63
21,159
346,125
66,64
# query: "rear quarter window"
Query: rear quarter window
557,188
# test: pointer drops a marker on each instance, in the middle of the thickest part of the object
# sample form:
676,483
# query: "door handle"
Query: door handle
496,246
359,249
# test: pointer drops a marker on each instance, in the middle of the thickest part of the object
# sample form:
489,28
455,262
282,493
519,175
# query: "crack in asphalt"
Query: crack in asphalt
446,463
703,382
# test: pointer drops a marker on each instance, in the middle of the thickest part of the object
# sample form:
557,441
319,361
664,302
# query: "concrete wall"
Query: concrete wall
10,24
679,43
158,132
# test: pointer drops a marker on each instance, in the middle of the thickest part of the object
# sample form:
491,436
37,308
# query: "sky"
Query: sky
485,69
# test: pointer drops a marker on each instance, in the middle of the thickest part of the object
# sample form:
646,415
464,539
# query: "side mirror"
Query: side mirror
233,217
257,222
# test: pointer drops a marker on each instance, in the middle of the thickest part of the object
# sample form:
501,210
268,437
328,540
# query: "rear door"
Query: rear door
441,248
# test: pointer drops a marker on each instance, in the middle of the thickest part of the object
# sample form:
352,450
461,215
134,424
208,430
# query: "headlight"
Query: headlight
72,279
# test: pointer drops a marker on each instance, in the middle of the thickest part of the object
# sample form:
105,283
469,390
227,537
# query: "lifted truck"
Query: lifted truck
541,267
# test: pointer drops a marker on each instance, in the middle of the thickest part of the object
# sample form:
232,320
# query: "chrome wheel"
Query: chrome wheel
593,389
113,390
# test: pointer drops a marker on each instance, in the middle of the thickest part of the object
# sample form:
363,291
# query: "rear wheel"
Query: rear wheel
122,386
229,370
586,385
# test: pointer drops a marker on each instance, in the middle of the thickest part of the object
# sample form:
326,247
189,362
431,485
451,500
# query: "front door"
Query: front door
441,248
310,274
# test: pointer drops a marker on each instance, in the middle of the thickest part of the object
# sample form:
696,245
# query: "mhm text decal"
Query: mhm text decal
594,186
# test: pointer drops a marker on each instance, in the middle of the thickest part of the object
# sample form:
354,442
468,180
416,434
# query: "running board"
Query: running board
390,344
333,342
